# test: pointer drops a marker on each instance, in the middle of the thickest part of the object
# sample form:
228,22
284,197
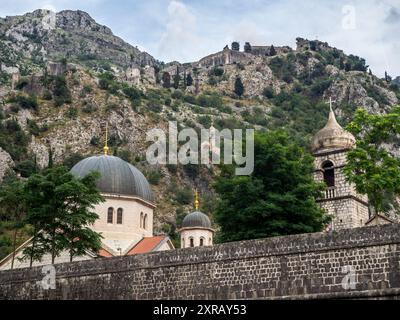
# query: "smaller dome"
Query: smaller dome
196,219
332,136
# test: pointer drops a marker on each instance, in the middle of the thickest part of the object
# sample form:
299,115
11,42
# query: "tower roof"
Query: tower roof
332,136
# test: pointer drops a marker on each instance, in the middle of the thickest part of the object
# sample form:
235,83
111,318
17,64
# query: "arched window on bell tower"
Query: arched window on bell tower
329,173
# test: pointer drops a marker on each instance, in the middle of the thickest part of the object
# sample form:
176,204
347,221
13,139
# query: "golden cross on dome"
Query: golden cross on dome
106,148
196,201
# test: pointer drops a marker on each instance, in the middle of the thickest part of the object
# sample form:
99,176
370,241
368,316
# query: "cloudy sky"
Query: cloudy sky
186,30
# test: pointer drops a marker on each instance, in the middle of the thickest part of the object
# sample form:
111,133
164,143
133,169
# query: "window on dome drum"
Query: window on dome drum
145,221
191,242
329,173
183,242
141,220
110,215
201,242
119,216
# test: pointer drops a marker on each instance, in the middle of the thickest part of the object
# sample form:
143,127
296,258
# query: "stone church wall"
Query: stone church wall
348,208
353,263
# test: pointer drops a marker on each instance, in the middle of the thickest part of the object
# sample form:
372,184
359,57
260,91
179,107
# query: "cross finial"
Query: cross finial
330,103
196,201
106,148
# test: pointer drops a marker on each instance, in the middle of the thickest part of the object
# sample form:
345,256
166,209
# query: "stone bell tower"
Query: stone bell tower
347,208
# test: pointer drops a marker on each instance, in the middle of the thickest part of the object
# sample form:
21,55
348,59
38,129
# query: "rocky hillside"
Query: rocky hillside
28,41
61,83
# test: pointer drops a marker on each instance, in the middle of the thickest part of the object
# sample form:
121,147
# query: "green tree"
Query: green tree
189,80
272,51
80,197
13,207
177,79
239,88
59,209
278,198
370,165
166,79
72,160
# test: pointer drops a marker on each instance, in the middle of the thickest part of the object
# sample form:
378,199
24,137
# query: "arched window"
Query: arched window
201,241
183,242
329,173
119,215
191,242
110,215
145,221
141,220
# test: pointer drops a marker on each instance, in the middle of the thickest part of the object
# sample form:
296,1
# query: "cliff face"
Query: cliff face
64,76
28,41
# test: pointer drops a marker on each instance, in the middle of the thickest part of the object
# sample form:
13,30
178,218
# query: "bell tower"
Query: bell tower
340,199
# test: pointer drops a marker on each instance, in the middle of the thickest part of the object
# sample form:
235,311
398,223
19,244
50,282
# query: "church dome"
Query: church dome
196,219
117,176
332,136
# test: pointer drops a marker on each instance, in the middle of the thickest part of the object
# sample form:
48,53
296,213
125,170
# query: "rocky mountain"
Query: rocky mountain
63,77
30,40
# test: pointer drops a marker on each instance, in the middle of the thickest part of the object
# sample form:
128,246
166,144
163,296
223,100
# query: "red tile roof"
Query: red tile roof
104,253
146,245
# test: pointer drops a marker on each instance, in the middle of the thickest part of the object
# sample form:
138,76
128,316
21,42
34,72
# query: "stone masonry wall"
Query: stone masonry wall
353,263
340,201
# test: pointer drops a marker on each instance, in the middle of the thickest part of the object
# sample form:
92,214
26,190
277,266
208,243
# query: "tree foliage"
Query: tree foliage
371,165
277,199
13,207
189,80
239,88
166,79
59,207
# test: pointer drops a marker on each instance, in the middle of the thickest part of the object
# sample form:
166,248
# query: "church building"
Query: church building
196,230
125,217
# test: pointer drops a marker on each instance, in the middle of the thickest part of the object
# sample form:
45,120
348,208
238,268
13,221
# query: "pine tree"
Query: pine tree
50,162
272,51
239,88
166,79
235,46
189,80
177,79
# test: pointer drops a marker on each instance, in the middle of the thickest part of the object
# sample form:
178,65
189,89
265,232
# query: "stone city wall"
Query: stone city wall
350,264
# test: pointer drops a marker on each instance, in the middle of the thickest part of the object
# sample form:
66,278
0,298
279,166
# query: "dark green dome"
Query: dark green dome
117,176
196,219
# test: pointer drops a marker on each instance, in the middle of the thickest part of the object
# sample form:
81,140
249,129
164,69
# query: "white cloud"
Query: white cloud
179,40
